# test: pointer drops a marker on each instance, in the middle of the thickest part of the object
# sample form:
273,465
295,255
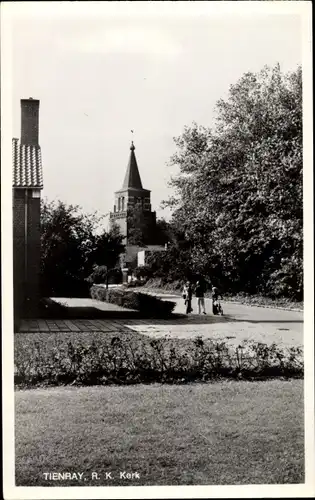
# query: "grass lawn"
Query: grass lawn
222,433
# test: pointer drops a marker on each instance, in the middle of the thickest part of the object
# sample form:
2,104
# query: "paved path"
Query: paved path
239,322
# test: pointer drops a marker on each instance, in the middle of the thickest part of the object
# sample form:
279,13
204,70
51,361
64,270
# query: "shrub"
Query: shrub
171,286
134,284
141,273
148,305
134,358
98,293
100,274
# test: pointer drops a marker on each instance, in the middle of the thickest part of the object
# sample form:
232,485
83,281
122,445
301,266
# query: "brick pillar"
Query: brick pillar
29,121
19,253
26,252
33,253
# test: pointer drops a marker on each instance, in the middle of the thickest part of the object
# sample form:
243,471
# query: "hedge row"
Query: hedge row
148,305
130,359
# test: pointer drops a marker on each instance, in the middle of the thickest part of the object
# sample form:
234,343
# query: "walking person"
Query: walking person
187,296
200,295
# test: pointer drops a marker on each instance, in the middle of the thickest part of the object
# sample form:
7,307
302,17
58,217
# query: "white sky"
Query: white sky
147,72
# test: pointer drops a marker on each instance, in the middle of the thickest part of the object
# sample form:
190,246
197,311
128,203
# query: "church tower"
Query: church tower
133,205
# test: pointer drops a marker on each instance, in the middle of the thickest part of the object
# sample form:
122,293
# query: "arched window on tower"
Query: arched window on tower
119,204
123,203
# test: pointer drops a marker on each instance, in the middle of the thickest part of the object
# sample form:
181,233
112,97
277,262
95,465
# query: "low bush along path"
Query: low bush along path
223,433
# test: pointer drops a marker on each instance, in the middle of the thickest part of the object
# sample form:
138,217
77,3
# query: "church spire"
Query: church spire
132,177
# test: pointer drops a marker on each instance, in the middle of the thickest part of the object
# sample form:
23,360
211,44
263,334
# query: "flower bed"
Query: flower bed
92,358
148,305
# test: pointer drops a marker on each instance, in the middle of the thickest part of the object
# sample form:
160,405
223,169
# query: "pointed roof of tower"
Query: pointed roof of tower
132,177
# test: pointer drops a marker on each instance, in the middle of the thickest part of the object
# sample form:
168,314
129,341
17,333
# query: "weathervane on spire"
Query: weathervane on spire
132,145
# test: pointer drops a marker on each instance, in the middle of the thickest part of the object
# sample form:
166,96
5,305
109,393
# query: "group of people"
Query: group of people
199,290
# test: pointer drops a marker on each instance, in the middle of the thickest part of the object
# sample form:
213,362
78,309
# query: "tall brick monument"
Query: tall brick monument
27,186
132,196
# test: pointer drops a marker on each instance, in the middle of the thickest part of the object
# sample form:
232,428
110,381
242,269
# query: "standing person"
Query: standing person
200,295
187,296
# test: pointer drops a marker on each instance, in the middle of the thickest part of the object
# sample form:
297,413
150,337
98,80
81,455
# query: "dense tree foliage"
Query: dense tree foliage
239,198
138,227
174,264
141,230
105,275
72,244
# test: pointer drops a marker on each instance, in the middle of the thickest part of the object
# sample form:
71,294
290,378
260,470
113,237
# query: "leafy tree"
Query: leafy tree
175,264
108,247
72,243
239,191
143,231
105,275
162,233
138,226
